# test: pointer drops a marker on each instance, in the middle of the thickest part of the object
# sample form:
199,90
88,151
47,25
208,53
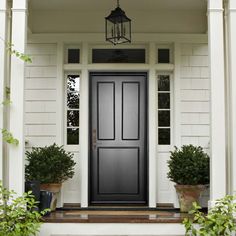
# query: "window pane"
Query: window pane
163,55
72,118
118,56
163,100
163,118
163,83
73,83
73,91
72,136
73,100
73,55
164,136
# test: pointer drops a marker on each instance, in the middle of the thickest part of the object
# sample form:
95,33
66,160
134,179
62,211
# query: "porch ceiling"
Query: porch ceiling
148,16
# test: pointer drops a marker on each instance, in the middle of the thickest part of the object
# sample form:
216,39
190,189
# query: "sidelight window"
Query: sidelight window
164,109
72,108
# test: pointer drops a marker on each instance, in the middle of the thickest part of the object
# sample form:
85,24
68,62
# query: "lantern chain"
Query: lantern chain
118,3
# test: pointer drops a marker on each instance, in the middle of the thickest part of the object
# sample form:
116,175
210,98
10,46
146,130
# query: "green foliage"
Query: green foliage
22,56
15,218
219,220
8,137
189,166
50,164
7,101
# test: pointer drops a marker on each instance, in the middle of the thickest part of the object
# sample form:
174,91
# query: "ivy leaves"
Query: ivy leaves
8,137
24,57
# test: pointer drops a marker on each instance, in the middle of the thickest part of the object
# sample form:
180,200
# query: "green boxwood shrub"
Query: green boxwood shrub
189,166
50,164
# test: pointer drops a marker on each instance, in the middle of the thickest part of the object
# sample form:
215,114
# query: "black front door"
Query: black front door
118,131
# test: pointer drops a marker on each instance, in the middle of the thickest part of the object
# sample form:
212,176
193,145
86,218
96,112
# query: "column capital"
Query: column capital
3,5
20,4
231,5
215,5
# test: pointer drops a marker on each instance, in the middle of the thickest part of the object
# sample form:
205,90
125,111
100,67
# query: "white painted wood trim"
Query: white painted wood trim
138,38
60,110
177,105
231,56
17,154
111,229
84,130
152,132
217,73
3,22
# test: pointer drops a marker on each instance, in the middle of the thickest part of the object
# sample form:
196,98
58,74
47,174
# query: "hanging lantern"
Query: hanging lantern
118,26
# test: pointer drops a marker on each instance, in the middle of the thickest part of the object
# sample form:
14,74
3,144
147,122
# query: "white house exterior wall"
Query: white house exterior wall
42,123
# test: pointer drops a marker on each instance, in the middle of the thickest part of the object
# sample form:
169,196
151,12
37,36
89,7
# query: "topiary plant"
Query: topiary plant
189,166
50,164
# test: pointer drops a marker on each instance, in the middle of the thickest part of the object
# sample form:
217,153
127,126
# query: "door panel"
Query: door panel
130,110
118,126
106,110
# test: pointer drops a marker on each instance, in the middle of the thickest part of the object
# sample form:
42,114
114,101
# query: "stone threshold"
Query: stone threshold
116,216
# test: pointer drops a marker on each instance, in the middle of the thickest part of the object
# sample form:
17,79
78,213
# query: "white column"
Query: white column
3,20
232,87
84,129
17,153
152,129
216,59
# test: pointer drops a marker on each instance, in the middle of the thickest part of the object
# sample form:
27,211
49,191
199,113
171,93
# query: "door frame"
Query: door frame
115,73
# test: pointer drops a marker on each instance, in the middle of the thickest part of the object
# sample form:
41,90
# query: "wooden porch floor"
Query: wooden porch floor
115,216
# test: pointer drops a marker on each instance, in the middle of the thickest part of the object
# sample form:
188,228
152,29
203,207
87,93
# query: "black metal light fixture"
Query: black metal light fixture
118,26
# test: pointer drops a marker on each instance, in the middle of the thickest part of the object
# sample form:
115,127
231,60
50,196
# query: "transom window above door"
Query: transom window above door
119,55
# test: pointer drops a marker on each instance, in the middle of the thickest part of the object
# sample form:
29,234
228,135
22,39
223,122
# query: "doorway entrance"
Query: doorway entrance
118,138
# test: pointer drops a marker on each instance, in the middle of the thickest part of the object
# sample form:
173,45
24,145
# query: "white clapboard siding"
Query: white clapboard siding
40,83
195,95
40,118
40,106
41,49
40,95
40,130
41,72
37,141
195,99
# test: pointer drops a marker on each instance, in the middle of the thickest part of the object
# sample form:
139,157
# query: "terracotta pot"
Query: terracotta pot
188,194
54,188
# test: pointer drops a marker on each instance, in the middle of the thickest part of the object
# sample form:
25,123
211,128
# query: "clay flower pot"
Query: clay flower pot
188,194
54,188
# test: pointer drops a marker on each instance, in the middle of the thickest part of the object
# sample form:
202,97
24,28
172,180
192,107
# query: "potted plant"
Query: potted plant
51,165
189,169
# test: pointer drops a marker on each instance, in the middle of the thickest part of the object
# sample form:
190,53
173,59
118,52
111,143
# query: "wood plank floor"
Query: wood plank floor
117,216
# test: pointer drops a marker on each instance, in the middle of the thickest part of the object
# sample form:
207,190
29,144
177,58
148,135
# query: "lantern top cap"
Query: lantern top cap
117,13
